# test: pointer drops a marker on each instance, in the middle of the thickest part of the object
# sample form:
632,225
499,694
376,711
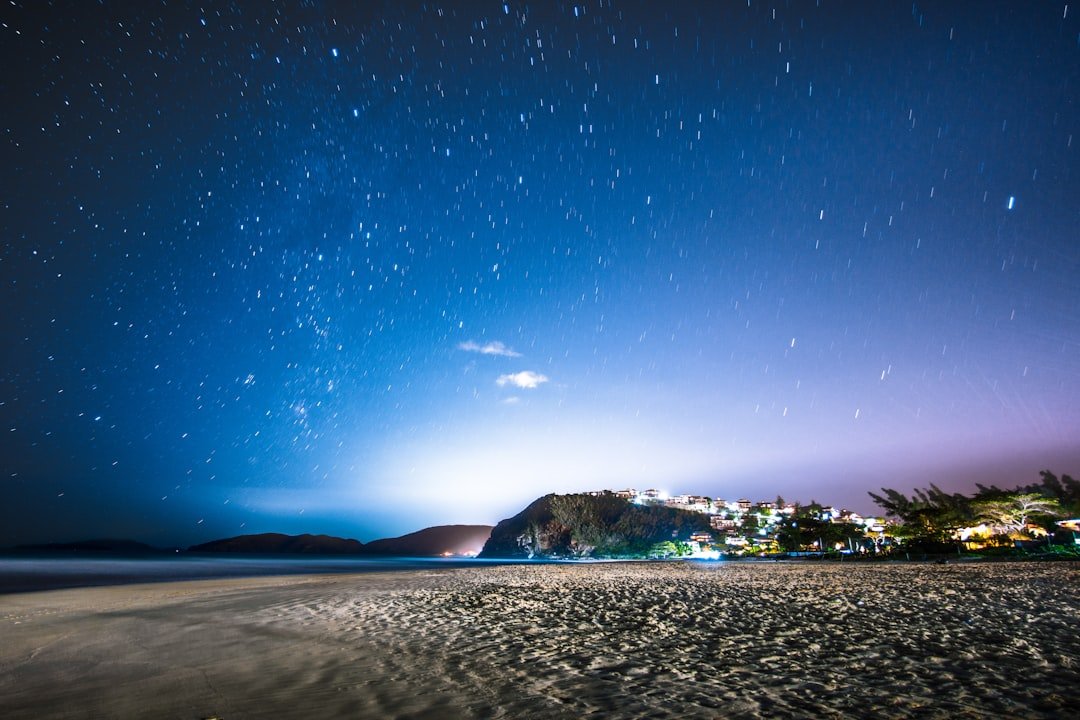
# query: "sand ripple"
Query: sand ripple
746,640
621,640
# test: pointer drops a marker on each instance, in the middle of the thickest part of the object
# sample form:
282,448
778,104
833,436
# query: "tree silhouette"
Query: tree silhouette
931,514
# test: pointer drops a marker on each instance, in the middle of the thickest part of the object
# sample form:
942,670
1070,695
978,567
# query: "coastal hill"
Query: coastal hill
438,540
589,526
102,545
278,543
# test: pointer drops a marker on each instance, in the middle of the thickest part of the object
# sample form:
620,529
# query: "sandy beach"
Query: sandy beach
619,640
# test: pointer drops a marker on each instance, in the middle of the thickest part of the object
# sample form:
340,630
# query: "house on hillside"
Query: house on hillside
693,503
701,504
1072,524
849,516
719,522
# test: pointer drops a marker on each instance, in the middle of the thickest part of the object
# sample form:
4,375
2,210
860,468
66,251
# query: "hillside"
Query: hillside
432,541
589,526
102,545
278,543
439,540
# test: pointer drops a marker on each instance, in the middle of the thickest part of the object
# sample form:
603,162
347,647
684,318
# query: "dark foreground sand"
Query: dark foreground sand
601,640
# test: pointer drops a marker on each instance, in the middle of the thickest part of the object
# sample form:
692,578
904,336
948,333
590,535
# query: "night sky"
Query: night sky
309,267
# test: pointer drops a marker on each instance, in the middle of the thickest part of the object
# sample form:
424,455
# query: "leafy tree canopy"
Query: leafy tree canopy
934,515
1011,512
930,514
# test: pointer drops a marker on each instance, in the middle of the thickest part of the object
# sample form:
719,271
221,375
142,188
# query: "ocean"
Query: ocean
29,572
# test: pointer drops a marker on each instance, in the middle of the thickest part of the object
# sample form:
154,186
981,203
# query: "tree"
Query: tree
805,527
1011,512
928,515
1066,491
751,523
663,550
793,532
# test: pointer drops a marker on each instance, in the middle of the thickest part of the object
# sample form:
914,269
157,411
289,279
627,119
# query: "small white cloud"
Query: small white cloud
491,348
512,400
526,379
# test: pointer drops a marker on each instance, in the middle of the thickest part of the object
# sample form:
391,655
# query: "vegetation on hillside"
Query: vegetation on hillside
593,526
805,527
604,525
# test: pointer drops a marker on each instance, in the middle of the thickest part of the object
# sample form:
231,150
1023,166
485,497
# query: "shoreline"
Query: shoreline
611,640
22,573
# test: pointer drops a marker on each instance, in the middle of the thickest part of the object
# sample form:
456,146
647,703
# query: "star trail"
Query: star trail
362,268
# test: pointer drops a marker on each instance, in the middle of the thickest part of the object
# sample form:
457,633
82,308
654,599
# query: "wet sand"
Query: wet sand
621,640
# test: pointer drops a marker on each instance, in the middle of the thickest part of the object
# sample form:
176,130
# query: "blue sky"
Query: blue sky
304,267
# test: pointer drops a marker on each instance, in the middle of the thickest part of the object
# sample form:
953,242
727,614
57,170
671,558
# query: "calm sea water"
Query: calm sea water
29,572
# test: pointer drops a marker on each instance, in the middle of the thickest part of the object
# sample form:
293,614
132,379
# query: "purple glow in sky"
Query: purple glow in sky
309,267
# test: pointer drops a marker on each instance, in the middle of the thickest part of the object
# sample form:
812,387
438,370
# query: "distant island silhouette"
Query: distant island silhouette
441,540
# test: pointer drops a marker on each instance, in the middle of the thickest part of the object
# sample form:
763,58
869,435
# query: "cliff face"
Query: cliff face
532,532
589,526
